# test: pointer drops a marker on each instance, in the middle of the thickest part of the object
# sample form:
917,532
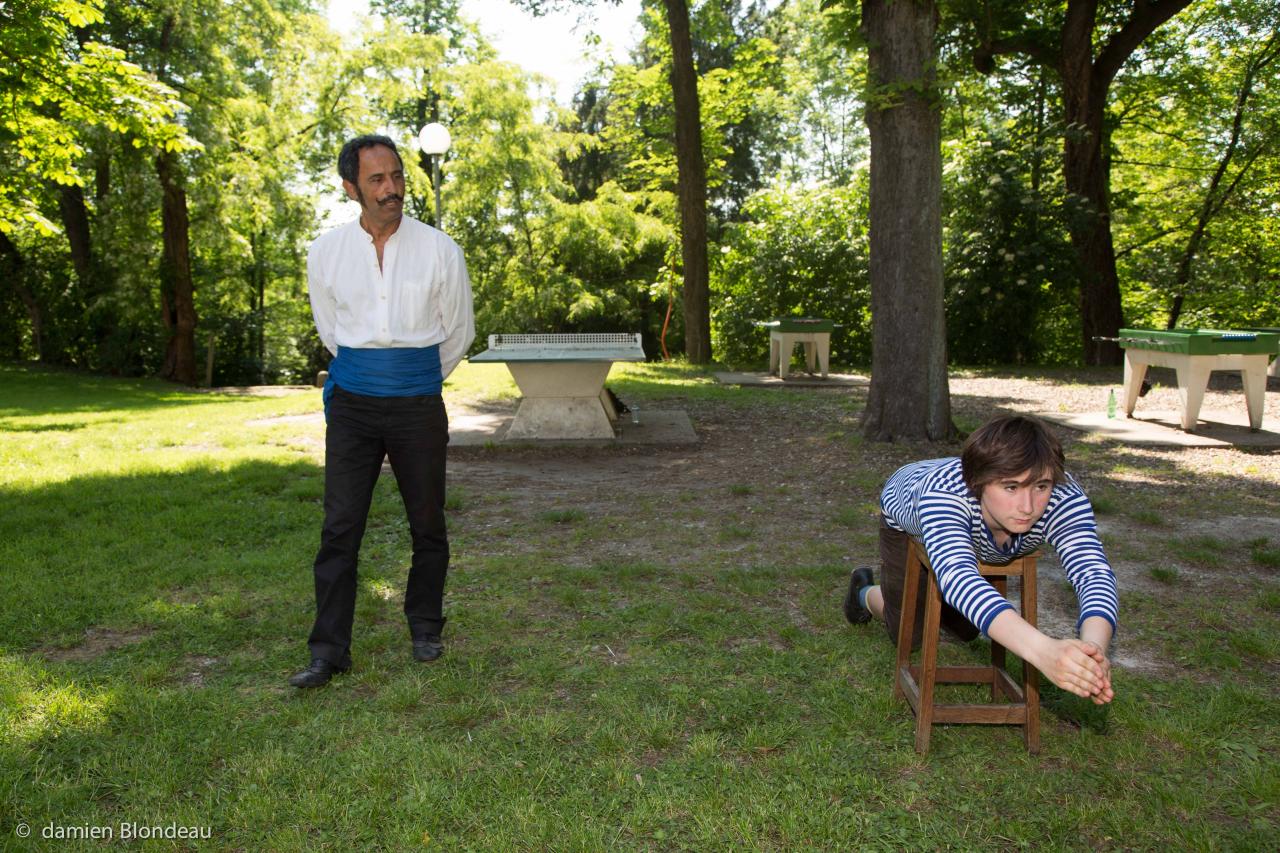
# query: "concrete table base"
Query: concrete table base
561,377
562,400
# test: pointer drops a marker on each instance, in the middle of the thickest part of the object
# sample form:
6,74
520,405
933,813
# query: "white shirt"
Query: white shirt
420,297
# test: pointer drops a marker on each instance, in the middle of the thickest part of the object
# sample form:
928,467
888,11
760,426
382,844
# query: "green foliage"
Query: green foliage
54,90
570,223
800,252
825,135
1179,128
539,263
739,79
1010,273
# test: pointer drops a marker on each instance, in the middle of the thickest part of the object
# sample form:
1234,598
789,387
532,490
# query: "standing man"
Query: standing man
1005,496
392,302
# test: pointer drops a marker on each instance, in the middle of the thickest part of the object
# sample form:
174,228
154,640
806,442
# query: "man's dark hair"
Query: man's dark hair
1007,446
349,157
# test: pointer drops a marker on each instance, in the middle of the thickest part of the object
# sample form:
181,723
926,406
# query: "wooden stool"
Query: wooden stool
915,683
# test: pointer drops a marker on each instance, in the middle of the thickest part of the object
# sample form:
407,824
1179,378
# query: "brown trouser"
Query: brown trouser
893,570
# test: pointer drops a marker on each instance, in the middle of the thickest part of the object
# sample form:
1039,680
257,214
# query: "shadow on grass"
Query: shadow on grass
28,391
142,549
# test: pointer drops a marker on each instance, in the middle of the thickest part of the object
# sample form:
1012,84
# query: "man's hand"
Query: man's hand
1096,633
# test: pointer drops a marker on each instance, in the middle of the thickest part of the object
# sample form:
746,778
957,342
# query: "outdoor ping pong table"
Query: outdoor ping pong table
562,379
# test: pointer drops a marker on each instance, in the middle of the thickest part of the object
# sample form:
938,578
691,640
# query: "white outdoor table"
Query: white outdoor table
784,334
562,379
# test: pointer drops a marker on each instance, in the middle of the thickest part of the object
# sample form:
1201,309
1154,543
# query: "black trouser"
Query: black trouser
413,432
893,573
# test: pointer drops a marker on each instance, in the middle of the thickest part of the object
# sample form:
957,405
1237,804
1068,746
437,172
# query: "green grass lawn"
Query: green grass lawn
156,547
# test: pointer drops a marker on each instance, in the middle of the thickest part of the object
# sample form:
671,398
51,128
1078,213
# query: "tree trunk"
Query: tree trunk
176,285
1086,79
1086,175
909,397
691,186
12,267
75,219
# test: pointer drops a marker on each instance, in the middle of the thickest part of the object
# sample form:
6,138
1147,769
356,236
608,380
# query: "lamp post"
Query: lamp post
434,139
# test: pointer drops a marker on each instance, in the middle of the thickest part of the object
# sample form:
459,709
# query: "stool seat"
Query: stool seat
915,683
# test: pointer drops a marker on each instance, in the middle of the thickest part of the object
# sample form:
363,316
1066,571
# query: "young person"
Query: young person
1003,497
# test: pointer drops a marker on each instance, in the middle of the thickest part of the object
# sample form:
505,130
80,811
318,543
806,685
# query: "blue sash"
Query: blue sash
394,372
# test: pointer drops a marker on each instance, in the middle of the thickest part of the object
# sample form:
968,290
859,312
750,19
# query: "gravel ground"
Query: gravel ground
1085,391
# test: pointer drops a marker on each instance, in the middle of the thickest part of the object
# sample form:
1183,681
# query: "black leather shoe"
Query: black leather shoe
319,673
853,611
428,648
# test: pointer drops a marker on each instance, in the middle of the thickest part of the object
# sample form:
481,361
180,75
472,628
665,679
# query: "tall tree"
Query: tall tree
1086,45
60,92
691,186
177,288
909,397
53,89
691,182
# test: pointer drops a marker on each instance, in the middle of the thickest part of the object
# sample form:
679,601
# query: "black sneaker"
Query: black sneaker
853,611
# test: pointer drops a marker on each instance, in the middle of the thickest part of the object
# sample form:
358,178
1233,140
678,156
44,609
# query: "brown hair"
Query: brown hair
1008,445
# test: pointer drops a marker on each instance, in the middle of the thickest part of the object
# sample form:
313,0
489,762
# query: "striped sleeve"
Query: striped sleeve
948,540
928,500
1073,533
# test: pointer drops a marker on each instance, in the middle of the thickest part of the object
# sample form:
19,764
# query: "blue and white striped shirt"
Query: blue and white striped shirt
930,501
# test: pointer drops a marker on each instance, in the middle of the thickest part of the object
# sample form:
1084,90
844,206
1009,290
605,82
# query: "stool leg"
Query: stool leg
998,661
928,663
1030,677
907,617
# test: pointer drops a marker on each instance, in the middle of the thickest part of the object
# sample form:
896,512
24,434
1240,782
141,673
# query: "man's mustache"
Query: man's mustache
392,197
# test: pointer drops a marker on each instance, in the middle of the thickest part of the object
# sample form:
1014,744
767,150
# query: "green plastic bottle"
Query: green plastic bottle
1111,404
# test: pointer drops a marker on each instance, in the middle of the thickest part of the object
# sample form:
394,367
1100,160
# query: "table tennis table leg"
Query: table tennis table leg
1135,370
1253,373
786,344
1193,378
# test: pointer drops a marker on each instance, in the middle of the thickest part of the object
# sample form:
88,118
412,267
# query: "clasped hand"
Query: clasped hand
1080,667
